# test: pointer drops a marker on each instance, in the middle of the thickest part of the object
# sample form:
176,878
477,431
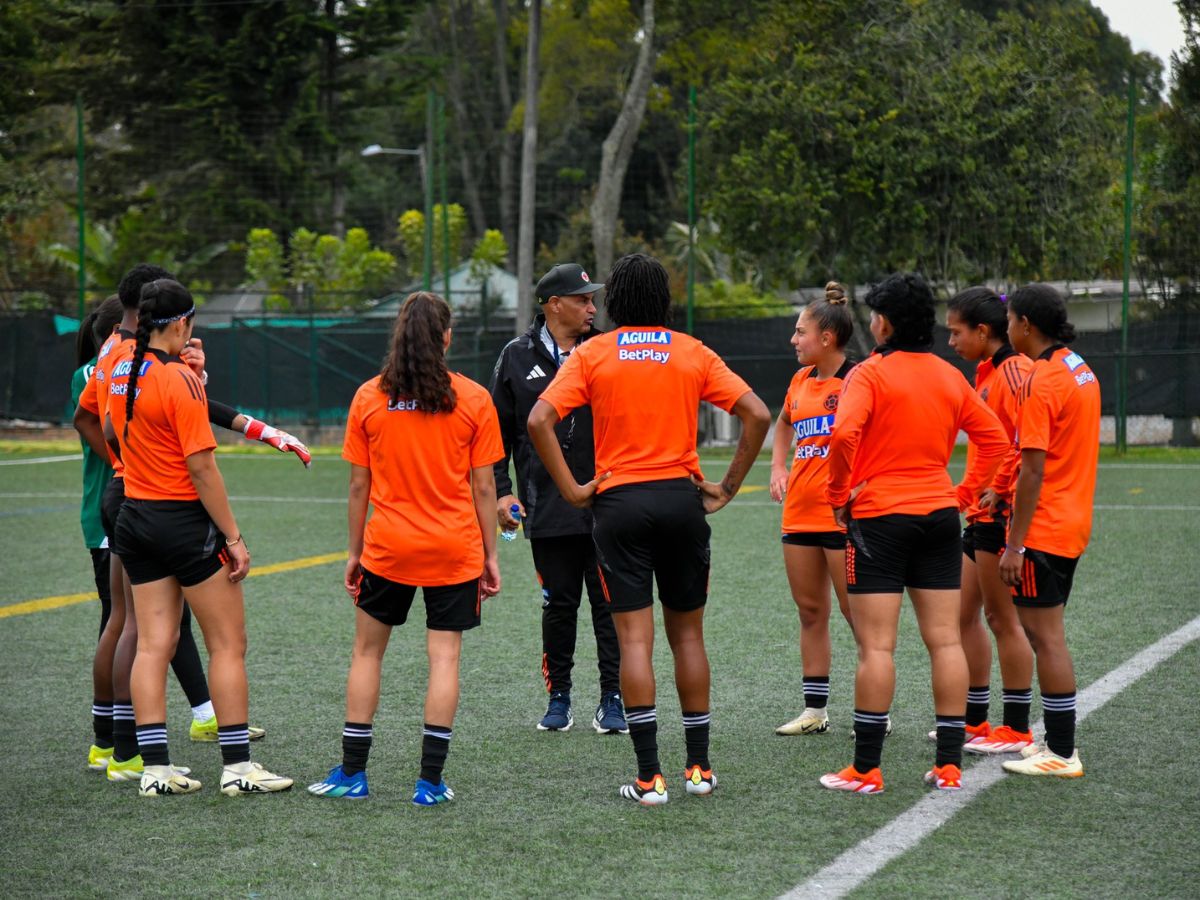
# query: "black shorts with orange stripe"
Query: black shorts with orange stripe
1046,579
448,607
158,539
652,532
986,537
886,554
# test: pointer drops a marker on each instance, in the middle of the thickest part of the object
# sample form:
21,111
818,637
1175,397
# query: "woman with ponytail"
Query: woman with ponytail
978,323
176,531
1058,435
814,545
421,441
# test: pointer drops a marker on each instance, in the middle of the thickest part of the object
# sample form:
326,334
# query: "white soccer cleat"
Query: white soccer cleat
811,721
159,781
1047,762
251,778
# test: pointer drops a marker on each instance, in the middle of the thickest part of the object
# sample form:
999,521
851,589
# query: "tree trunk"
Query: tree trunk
618,148
337,187
462,126
528,172
508,139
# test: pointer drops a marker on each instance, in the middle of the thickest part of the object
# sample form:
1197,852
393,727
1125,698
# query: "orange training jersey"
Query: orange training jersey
1060,413
998,381
644,386
94,398
898,417
424,530
170,423
809,405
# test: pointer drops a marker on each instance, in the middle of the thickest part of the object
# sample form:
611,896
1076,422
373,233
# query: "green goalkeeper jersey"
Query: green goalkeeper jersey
96,472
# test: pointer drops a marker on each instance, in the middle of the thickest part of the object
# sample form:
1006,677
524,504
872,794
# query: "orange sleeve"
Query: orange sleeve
569,389
854,409
1038,411
355,449
1008,412
87,399
486,446
722,387
190,407
988,436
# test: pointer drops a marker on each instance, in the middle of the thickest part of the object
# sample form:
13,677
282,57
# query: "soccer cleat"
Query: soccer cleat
610,715
98,758
700,782
945,778
126,770
973,733
1032,749
339,784
854,781
251,778
648,793
158,781
206,732
1001,740
886,733
811,721
1047,762
426,793
558,714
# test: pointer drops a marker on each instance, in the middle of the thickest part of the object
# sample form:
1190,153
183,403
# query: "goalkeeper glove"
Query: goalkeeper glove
280,440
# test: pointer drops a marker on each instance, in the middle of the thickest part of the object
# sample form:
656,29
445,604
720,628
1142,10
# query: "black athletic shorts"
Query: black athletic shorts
652,531
1045,579
987,537
159,539
886,554
448,607
110,507
826,540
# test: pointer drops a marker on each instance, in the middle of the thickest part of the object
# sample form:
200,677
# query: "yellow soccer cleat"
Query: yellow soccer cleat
811,721
1046,762
206,732
251,778
98,758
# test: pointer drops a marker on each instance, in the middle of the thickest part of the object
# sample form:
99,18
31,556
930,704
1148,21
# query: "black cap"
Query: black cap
565,280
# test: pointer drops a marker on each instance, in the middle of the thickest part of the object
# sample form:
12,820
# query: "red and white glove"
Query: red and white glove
280,440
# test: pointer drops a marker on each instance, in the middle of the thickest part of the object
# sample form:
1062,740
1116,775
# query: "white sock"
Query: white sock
203,712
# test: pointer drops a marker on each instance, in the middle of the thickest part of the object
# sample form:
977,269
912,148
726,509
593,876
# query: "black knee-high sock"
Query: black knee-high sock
695,735
1059,711
235,743
356,746
125,745
643,729
951,732
1016,708
152,742
978,699
816,691
102,722
435,745
186,663
869,731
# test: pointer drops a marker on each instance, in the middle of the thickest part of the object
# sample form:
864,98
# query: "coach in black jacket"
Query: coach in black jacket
559,534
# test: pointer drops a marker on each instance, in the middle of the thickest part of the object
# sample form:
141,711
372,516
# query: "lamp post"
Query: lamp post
419,153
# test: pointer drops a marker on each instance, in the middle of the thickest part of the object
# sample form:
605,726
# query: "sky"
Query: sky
1152,25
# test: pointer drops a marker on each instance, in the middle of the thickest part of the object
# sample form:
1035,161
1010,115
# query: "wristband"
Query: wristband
236,540
1020,551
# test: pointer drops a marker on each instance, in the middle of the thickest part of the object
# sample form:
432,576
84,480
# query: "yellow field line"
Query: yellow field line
31,606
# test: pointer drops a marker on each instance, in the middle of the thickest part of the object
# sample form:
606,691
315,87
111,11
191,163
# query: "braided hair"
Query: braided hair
638,292
908,303
832,314
981,305
95,329
415,368
1045,309
163,301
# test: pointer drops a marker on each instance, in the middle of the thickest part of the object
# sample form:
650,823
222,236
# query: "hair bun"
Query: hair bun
835,293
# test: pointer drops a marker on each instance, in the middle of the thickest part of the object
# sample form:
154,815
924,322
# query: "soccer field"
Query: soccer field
537,814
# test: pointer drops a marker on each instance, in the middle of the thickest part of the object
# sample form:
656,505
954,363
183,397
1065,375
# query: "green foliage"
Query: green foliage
410,230
723,300
319,271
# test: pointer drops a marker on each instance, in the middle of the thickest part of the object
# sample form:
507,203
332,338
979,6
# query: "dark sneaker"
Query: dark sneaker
610,715
558,714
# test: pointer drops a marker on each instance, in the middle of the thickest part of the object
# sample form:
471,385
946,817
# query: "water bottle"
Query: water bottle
507,535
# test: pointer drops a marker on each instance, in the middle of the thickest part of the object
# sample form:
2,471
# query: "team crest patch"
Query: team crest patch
1073,361
584,276
831,402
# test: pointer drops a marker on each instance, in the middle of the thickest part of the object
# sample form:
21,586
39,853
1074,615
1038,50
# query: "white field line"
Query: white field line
907,830
40,459
1099,506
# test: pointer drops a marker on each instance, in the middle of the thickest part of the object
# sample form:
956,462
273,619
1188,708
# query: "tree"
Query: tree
528,171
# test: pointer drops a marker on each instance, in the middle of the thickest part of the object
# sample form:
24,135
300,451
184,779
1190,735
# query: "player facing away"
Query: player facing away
421,442
176,531
814,545
644,383
900,412
1058,434
978,323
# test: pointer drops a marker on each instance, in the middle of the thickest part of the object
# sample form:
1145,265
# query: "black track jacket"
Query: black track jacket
525,369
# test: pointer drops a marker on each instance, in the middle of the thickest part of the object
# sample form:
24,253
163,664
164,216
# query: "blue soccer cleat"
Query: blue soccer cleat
558,713
428,794
339,784
610,715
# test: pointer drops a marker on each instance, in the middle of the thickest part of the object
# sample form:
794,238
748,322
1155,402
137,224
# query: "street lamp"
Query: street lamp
419,152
